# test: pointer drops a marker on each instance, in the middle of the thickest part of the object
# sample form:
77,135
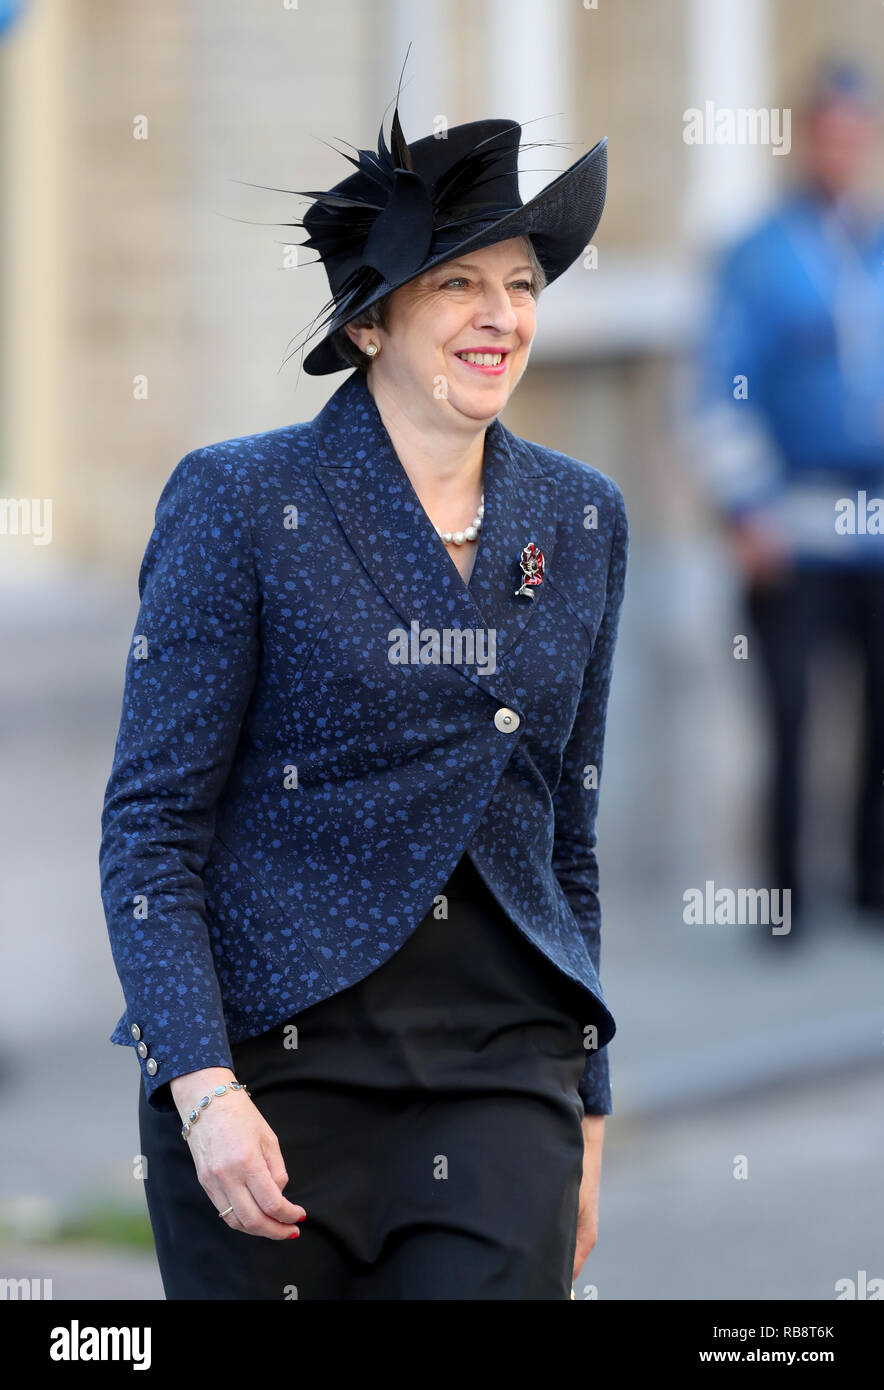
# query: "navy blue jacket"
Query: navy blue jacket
286,799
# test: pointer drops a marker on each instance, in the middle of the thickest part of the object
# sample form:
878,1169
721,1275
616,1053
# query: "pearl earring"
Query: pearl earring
372,349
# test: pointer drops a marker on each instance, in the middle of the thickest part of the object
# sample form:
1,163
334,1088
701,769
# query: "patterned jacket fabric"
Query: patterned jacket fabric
319,717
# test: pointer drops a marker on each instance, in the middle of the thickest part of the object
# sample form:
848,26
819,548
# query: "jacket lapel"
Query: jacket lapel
385,524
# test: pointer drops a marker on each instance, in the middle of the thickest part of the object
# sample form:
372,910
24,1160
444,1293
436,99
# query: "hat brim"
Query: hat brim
561,219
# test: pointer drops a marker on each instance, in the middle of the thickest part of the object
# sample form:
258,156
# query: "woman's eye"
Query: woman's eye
523,286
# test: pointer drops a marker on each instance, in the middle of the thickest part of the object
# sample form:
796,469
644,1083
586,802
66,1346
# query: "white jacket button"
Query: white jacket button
135,1031
141,1049
506,720
150,1066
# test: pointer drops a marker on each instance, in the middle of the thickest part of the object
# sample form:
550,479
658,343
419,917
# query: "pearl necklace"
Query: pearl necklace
469,533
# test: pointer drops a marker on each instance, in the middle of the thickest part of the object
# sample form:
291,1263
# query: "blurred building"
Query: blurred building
124,130
146,312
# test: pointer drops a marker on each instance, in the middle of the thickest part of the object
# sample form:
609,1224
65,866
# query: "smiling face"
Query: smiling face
458,336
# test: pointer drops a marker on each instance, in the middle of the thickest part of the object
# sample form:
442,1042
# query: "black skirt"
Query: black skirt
430,1125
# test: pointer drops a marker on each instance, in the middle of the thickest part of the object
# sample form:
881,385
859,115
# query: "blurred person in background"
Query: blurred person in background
791,407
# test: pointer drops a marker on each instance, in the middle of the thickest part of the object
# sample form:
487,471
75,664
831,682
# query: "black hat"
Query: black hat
411,207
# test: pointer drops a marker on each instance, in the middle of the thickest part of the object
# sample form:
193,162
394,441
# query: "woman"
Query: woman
348,841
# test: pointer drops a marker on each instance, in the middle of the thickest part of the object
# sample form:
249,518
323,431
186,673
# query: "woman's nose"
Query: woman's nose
496,310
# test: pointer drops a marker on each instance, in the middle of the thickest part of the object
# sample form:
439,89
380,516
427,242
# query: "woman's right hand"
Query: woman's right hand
237,1155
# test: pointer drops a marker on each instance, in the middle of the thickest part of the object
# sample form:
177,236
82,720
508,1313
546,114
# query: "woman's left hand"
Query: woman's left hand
588,1214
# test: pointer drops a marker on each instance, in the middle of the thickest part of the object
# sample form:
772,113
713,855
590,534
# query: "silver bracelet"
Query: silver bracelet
207,1101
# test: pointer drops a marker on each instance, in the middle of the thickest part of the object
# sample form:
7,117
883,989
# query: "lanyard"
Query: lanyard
855,303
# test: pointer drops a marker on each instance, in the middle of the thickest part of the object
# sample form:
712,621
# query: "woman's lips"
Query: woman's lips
486,371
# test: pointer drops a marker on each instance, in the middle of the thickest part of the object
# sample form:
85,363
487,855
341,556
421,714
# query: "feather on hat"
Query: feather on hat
408,208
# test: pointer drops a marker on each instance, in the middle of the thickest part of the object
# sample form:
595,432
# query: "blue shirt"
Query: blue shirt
792,378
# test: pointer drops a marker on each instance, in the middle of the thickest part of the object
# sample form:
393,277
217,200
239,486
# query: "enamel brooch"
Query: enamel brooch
531,565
